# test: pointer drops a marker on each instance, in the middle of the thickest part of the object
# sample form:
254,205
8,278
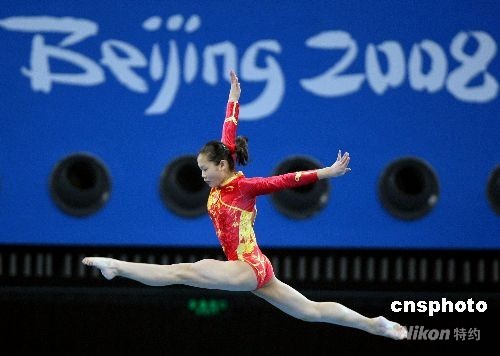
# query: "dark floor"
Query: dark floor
185,321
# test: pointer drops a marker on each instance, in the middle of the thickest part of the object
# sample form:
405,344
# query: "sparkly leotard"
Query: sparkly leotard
231,206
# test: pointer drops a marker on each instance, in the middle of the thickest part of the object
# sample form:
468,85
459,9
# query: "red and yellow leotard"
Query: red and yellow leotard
231,206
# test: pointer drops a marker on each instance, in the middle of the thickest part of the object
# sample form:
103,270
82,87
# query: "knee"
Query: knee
310,312
199,270
182,272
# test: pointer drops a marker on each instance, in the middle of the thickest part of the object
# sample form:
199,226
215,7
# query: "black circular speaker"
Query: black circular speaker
493,190
305,201
80,184
182,188
408,188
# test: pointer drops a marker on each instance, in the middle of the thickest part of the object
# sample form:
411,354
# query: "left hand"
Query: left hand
339,168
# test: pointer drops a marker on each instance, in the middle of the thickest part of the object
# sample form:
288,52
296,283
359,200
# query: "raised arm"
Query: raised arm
232,111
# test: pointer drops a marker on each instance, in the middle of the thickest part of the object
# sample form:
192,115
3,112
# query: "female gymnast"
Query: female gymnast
231,206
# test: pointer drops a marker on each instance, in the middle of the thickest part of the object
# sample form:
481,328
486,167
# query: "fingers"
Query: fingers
234,92
234,78
346,158
344,161
342,157
340,166
235,84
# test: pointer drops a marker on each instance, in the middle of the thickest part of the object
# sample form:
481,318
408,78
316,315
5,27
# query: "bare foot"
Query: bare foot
106,265
384,327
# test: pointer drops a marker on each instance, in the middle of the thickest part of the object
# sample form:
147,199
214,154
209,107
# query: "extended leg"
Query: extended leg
295,304
212,274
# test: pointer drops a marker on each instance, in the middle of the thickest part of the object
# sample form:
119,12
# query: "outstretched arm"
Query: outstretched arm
339,168
268,185
232,111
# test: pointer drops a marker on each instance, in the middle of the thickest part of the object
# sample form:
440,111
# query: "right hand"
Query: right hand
234,93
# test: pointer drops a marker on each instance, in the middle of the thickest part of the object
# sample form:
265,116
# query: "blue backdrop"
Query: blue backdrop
138,84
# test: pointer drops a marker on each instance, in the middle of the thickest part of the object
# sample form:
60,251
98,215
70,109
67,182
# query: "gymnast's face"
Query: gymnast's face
213,174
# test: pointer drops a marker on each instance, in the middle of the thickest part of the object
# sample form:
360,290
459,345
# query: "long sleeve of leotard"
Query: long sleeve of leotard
259,186
230,125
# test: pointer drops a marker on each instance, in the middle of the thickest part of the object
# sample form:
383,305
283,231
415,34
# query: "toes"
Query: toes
405,333
402,332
